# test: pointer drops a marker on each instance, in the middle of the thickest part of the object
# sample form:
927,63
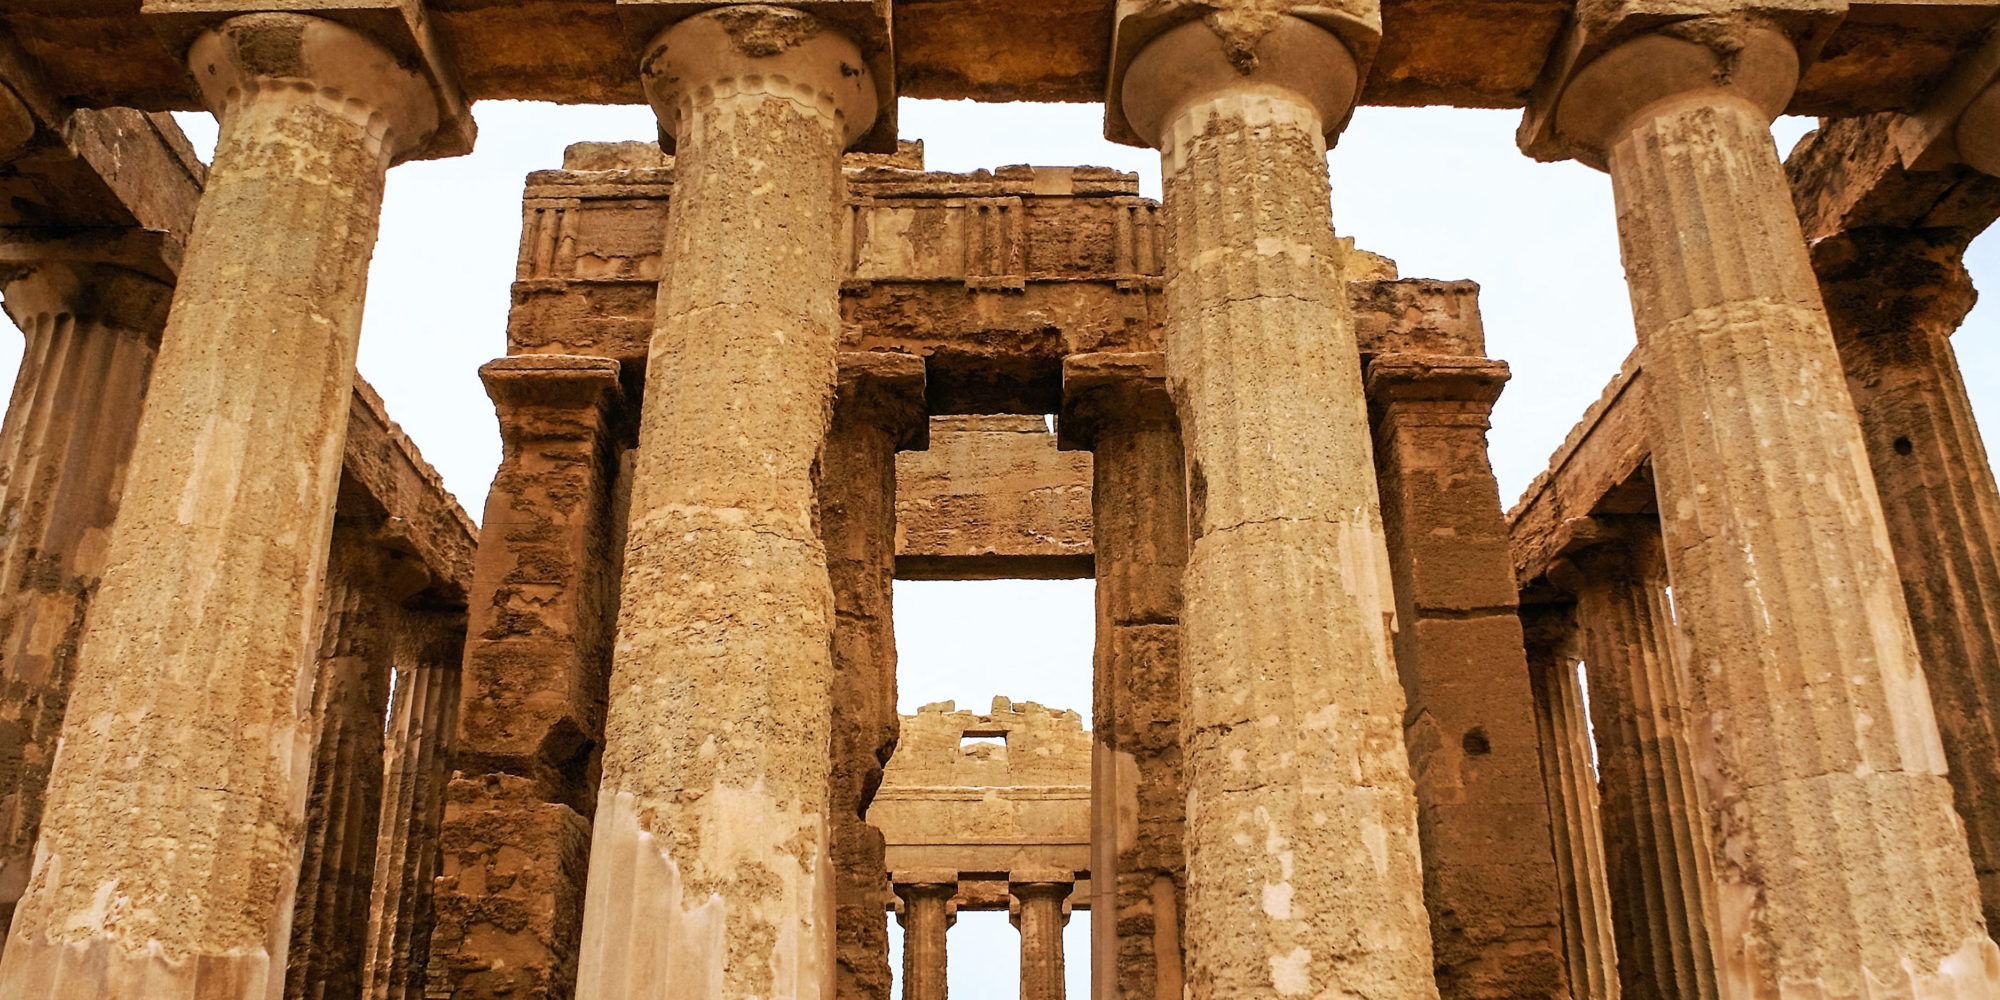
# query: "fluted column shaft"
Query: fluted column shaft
344,800
168,855
423,719
709,868
1039,916
91,335
1303,865
1839,865
1550,633
873,416
926,916
1894,297
1654,834
1120,409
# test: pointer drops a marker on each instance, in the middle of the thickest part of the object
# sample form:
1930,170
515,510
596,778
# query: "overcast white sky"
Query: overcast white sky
1442,191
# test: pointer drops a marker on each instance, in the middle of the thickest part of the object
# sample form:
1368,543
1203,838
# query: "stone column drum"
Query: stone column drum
927,914
169,849
1655,844
1840,868
91,335
1303,868
1039,913
709,869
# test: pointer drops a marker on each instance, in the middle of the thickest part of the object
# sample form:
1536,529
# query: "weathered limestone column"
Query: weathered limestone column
91,335
1117,406
422,722
1839,865
1303,866
1894,297
1038,910
711,843
186,719
1655,838
1550,635
1482,814
349,698
514,836
928,911
878,410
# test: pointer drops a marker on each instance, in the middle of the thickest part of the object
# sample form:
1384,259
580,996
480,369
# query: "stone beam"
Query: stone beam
993,499
1470,53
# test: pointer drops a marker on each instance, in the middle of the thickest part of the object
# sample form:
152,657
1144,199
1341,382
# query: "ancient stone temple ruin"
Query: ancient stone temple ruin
1709,714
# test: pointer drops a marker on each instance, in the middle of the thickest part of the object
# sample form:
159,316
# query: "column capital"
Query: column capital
116,297
1102,390
887,390
1620,57
913,887
357,74
759,49
1402,378
1035,884
554,395
1170,56
1894,282
1960,123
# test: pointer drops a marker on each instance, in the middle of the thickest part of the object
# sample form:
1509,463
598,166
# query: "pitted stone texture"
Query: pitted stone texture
185,723
1839,864
1303,865
710,869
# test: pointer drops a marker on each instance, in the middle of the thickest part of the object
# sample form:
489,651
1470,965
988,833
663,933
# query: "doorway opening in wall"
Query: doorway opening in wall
968,642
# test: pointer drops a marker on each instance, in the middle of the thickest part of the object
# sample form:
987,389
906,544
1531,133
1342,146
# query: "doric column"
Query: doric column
350,694
928,911
1039,909
1482,814
515,837
1839,865
186,725
1894,297
1655,839
711,842
1301,818
1117,406
878,409
1550,635
91,335
422,721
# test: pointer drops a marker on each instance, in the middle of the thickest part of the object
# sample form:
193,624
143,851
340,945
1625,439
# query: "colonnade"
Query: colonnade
1038,907
169,852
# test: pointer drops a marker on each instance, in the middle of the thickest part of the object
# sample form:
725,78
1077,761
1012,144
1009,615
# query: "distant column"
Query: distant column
1550,632
422,723
878,409
1117,406
711,842
1840,867
1655,839
1482,813
185,724
91,336
1894,297
1039,913
927,913
1301,816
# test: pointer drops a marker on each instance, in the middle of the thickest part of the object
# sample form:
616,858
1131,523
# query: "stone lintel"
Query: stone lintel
1851,174
1599,469
404,27
1960,123
1599,26
992,498
1136,23
890,387
150,252
1102,387
423,524
1400,378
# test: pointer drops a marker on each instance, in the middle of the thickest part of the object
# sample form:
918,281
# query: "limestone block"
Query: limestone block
992,498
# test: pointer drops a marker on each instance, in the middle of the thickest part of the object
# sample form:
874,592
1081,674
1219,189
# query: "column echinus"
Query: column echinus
709,871
169,846
1839,867
1303,873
